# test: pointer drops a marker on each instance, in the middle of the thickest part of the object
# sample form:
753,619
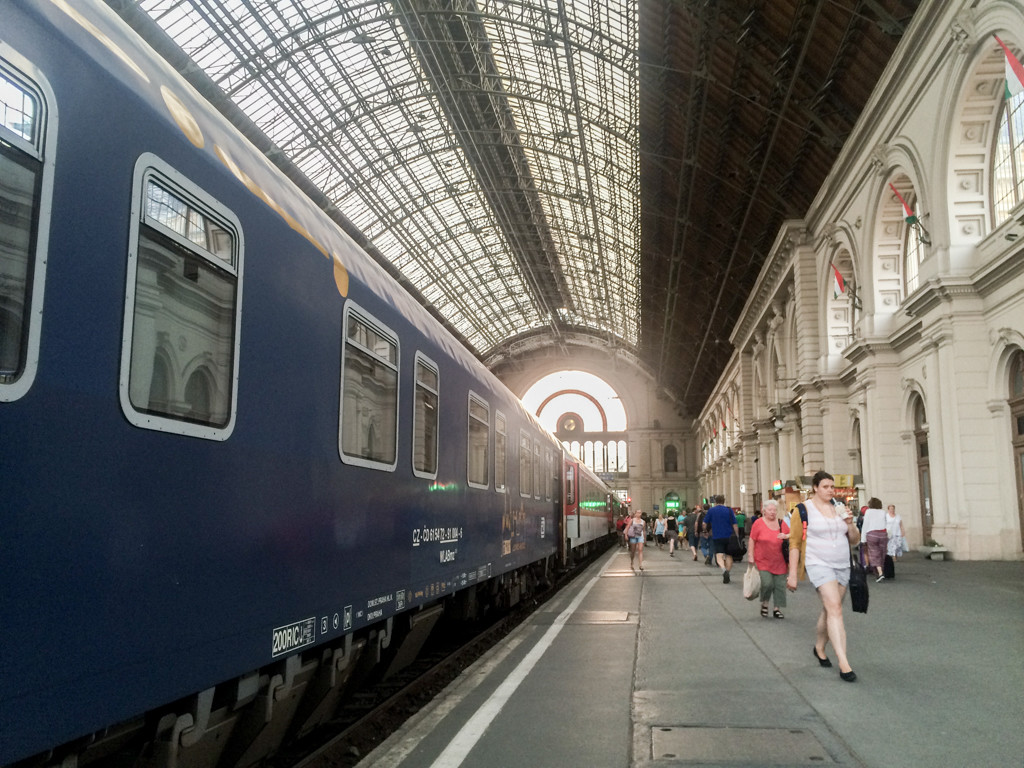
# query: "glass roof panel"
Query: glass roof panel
342,89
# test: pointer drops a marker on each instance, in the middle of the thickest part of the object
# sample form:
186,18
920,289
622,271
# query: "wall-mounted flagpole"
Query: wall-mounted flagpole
839,288
913,220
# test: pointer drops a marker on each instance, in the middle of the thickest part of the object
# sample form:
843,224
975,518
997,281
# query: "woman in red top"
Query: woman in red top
765,551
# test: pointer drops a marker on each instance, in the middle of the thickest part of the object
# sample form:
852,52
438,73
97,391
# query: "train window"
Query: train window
369,392
26,166
548,473
500,451
179,355
525,465
424,434
477,459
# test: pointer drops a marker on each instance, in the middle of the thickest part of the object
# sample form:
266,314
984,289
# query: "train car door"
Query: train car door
570,505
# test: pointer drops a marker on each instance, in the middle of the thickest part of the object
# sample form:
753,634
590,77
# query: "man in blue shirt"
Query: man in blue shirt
721,521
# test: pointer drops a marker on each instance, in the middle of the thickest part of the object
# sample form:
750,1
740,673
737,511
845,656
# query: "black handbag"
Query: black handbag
735,548
858,586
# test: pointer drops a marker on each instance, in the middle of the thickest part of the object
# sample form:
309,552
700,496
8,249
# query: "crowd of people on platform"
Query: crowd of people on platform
811,541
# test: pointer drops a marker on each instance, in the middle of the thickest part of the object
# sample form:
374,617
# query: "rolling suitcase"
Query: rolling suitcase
889,568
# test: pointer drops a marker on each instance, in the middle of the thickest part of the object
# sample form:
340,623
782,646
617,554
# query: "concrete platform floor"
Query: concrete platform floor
671,667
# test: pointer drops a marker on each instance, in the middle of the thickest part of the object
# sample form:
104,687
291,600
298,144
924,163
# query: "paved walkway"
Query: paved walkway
674,668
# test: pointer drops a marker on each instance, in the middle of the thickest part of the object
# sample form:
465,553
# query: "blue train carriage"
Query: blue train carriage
242,465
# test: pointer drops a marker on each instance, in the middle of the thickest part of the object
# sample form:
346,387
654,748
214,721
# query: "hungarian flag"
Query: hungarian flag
838,284
906,208
1014,71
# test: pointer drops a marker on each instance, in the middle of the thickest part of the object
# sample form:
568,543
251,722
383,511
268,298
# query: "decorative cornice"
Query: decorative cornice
937,291
906,335
999,272
850,379
777,267
861,349
823,383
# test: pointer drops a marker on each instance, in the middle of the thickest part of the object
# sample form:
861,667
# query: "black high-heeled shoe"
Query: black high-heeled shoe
823,662
848,676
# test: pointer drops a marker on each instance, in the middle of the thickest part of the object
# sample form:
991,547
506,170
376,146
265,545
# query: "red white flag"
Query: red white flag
1014,71
906,207
838,284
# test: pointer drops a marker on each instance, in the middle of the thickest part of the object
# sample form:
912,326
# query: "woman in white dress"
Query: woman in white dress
897,535
819,543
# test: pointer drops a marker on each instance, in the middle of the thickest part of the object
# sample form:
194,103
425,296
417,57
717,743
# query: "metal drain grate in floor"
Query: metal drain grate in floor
599,617
761,746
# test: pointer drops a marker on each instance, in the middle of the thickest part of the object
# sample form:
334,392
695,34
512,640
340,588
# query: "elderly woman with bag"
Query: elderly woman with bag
897,545
765,551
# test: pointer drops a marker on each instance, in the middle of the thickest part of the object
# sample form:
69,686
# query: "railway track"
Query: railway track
374,713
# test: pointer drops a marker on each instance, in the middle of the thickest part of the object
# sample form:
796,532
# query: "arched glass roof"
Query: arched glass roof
489,149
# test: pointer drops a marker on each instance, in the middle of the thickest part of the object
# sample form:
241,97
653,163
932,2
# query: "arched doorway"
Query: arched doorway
1016,403
673,504
924,478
